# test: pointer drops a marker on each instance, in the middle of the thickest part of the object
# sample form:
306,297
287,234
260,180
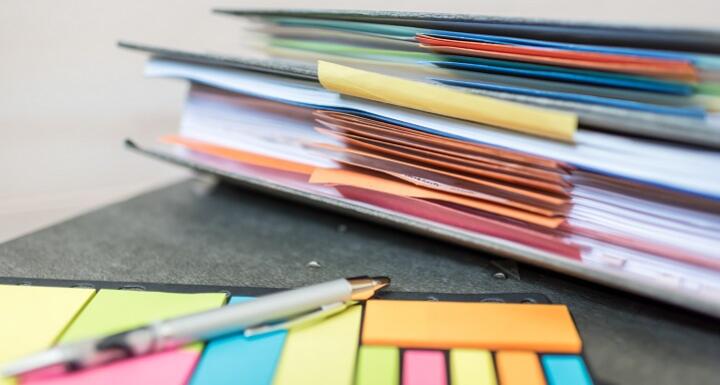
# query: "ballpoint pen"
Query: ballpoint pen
275,311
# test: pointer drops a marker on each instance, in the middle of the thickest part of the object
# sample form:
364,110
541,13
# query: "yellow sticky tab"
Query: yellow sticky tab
445,101
322,353
472,367
33,317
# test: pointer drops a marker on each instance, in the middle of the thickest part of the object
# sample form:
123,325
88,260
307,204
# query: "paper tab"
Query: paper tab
378,365
447,102
566,370
239,360
472,367
33,317
424,367
322,353
492,326
165,368
519,368
113,311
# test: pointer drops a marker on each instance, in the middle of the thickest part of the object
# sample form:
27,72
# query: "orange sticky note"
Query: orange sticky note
492,326
519,368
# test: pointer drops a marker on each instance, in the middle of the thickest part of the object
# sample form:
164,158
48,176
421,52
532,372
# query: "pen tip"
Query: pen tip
381,282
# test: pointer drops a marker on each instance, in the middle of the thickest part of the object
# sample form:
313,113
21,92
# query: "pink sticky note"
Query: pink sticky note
166,368
424,367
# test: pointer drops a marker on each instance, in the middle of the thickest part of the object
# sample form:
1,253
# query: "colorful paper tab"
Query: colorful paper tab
519,368
566,370
112,311
472,367
166,368
33,317
447,102
378,365
322,353
492,326
239,360
424,367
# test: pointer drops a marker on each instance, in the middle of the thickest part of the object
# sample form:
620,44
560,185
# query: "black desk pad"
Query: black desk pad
228,236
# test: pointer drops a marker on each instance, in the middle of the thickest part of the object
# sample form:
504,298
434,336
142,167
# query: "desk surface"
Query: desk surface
225,235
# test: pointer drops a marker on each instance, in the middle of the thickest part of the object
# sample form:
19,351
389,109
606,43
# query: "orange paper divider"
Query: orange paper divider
239,155
491,326
592,60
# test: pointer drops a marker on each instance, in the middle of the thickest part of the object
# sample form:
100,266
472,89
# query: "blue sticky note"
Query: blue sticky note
565,370
239,360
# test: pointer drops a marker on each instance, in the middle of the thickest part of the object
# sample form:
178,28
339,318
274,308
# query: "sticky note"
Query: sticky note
378,365
491,326
566,370
322,353
239,360
424,367
33,317
519,368
165,368
447,102
472,367
113,311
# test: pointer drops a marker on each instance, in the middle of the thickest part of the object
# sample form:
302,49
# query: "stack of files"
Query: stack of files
598,160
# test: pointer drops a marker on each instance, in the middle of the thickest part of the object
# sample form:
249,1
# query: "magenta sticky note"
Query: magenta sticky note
166,368
424,367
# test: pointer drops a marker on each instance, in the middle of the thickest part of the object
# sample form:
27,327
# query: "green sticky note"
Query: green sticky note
322,353
378,365
355,51
472,367
113,311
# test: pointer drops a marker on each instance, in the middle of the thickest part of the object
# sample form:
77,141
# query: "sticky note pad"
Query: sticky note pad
113,311
566,370
519,368
378,365
33,317
491,326
472,367
239,360
165,368
424,367
322,353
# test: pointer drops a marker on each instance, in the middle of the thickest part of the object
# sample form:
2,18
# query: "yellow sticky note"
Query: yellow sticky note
33,317
322,353
445,101
472,367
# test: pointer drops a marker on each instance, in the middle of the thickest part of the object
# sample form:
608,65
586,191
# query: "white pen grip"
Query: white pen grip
236,317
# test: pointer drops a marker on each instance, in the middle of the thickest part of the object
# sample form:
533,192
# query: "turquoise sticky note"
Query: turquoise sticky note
239,360
565,370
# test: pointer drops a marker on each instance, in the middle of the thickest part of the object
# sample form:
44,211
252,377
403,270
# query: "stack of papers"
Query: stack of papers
594,150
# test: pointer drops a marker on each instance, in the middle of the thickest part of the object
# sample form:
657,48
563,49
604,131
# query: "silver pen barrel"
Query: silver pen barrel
234,318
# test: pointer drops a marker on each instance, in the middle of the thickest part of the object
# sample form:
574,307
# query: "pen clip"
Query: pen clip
323,312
